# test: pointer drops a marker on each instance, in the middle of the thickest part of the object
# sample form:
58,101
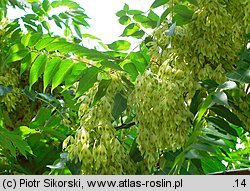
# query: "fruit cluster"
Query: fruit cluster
10,79
205,48
95,144
17,106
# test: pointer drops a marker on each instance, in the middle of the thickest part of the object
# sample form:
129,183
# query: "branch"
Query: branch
125,126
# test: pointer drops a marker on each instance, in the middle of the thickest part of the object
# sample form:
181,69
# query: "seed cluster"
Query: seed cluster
95,144
15,103
204,49
11,99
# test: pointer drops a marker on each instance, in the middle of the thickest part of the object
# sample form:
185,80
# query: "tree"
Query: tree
177,105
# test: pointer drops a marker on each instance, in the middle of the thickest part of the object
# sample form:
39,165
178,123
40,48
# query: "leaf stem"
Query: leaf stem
125,125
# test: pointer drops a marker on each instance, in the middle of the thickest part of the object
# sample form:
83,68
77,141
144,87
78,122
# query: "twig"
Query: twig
45,101
125,125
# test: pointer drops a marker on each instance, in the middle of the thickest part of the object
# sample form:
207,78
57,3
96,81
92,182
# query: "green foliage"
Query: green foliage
120,104
119,45
158,3
102,88
37,69
65,88
87,80
242,73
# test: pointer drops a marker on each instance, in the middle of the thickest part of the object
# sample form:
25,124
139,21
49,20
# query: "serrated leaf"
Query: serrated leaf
34,39
65,47
131,70
102,88
212,164
42,115
240,75
26,62
227,114
63,71
120,104
21,145
25,39
15,48
210,130
220,98
16,56
50,70
87,81
222,124
119,45
41,44
139,61
75,74
158,3
6,143
59,46
37,69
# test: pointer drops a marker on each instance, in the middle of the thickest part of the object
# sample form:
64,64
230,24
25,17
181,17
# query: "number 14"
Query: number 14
240,183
